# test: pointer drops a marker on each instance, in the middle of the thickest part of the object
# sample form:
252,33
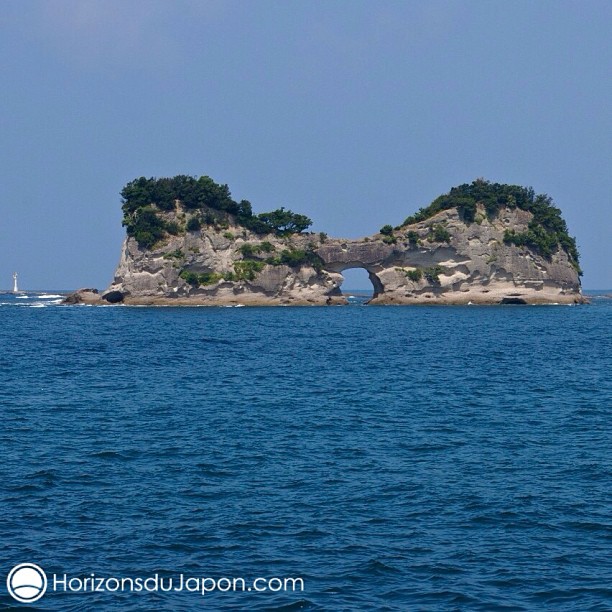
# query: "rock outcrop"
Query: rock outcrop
83,296
442,259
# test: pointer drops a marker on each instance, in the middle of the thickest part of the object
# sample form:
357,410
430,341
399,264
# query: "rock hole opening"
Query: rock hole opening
359,285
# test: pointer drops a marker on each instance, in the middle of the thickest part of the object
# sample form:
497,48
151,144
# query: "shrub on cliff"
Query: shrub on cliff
413,237
251,251
247,269
438,233
203,279
432,274
194,224
415,275
145,226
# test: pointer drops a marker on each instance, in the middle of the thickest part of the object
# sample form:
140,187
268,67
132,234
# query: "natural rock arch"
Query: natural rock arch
377,285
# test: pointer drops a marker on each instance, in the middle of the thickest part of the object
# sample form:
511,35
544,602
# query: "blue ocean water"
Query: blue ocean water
394,458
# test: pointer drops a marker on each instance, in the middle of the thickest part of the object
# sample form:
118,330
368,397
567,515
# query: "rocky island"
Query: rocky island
189,243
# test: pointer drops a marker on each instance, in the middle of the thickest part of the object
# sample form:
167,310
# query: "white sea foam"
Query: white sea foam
49,296
44,304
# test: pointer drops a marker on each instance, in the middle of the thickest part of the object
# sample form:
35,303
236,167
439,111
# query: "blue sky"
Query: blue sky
355,113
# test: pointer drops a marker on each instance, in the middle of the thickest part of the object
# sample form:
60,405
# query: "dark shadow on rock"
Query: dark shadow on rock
113,297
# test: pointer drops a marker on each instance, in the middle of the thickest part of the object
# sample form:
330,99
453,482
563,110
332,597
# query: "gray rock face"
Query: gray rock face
473,266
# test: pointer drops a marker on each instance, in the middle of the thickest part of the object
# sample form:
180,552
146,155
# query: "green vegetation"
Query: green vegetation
547,230
467,209
172,228
438,233
465,198
387,234
413,237
194,224
247,269
287,257
177,254
296,257
248,250
252,250
415,275
144,198
210,219
544,241
284,222
433,274
145,226
322,236
198,280
228,235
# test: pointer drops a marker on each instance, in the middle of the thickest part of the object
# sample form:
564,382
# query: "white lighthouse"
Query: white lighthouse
15,288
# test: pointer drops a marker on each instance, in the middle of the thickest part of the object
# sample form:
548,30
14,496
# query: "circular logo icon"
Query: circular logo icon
26,582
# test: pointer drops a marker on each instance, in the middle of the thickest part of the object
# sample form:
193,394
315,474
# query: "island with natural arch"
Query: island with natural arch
189,243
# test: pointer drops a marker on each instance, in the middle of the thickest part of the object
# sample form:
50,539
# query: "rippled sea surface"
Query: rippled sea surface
394,458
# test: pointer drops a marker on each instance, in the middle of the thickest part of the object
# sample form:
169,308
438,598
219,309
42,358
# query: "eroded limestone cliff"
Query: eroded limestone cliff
452,256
